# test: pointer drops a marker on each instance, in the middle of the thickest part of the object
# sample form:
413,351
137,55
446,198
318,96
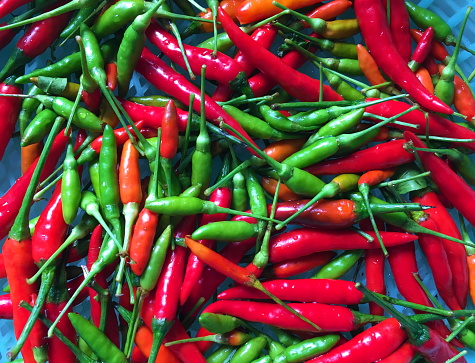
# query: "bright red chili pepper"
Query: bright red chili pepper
376,33
380,156
424,46
142,240
399,24
169,138
10,107
298,242
7,6
3,273
437,49
6,307
295,83
221,197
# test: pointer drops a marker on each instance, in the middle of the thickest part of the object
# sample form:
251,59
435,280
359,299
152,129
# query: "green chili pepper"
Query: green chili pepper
69,64
307,349
341,87
102,347
230,231
70,186
339,266
28,107
220,324
275,348
249,351
221,355
94,58
240,196
39,127
80,17
280,122
157,101
265,359
131,47
285,338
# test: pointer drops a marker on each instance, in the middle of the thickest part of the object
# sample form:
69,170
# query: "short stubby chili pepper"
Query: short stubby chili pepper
277,316
372,20
297,242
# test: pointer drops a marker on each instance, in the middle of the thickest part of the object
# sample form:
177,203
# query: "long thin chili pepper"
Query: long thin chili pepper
388,58
253,10
12,107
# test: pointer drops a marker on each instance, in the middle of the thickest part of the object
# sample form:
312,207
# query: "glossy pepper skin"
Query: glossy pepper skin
10,107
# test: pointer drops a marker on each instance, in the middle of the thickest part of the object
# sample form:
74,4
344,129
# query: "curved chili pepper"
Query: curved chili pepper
295,243
423,48
328,317
8,6
292,81
35,41
376,33
163,77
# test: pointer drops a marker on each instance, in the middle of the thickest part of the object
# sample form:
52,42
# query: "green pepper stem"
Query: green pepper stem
399,181
160,328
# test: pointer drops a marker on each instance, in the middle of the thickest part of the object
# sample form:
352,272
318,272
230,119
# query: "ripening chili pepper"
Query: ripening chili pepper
254,10
325,291
275,315
376,33
368,66
369,346
292,267
29,154
162,76
144,339
69,64
11,107
275,68
102,347
35,41
285,194
295,243
324,11
425,78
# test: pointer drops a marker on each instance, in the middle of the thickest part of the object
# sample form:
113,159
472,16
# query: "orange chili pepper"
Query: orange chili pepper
144,341
29,154
471,275
254,10
111,72
464,101
282,149
229,6
129,175
329,10
142,240
423,75
285,194
368,66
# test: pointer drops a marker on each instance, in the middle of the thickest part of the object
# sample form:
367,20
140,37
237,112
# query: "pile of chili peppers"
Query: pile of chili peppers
226,215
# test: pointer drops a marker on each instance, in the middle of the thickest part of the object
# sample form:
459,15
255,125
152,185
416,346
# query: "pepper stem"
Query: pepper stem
160,328
364,190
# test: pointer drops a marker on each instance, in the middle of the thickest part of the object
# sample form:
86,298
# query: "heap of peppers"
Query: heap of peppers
236,164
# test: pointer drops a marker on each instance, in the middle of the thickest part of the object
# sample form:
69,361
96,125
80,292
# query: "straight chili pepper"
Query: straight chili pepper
11,107
388,58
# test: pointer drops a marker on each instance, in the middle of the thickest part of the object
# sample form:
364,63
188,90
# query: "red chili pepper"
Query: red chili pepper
221,197
464,101
380,156
330,318
6,307
292,267
297,242
436,124
437,50
10,202
424,46
7,6
265,36
111,72
455,251
328,11
219,67
10,107
295,83
324,291
376,33
142,240
186,352
369,346
169,138
399,25
3,273
404,354
163,77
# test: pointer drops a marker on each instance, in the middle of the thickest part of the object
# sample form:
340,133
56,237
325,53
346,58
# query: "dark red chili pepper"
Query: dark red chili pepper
330,318
36,40
163,77
446,225
221,197
377,35
436,125
297,242
324,291
380,156
399,24
295,83
369,346
10,202
265,36
11,107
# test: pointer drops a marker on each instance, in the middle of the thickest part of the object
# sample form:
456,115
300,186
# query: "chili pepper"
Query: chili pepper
399,26
169,141
144,338
297,266
426,341
424,46
249,351
194,269
371,345
285,194
325,291
39,127
221,354
388,58
142,240
324,11
187,352
29,154
307,349
12,107
280,150
157,72
6,307
82,15
341,87
368,66
131,47
294,243
226,231
340,265
167,293
69,64
275,68
35,41
404,354
102,347
275,315
70,186
8,6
